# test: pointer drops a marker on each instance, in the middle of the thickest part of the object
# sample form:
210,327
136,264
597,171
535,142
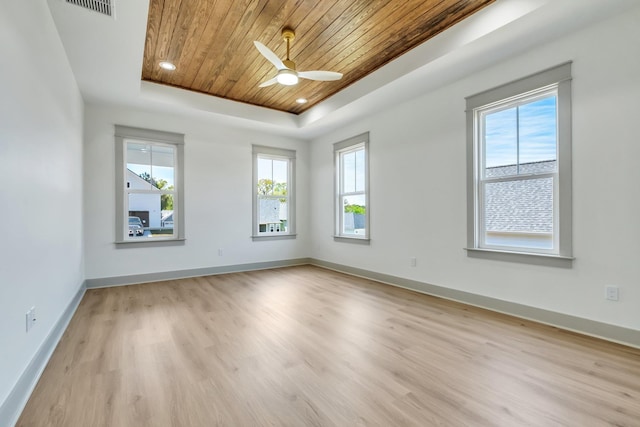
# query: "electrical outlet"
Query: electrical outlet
31,318
611,292
413,261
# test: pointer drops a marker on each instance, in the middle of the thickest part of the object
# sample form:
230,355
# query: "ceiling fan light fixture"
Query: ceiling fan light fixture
287,74
287,77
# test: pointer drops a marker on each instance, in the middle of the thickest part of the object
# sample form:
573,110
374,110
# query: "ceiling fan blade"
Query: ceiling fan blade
271,57
268,82
323,76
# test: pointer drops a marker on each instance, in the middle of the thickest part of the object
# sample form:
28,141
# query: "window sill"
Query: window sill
149,242
259,237
357,240
550,260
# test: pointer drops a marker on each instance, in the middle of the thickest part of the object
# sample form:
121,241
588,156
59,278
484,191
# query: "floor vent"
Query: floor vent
104,7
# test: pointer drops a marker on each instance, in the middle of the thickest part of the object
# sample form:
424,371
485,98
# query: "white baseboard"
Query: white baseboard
195,272
617,334
13,405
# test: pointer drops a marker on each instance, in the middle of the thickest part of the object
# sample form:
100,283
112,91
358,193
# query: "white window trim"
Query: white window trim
558,77
124,134
275,153
347,145
482,182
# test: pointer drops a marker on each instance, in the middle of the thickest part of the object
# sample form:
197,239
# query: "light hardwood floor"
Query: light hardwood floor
305,346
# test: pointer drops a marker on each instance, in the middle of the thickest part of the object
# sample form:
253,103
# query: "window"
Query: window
149,183
273,193
352,188
519,152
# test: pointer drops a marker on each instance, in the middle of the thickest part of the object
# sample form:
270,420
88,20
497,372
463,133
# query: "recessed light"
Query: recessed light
166,65
301,100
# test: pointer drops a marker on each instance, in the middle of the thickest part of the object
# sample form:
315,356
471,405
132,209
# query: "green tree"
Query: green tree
355,209
148,178
166,200
280,189
267,187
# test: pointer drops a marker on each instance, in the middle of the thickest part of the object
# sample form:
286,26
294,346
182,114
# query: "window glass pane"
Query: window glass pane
144,212
359,170
354,214
280,172
348,172
519,213
538,140
166,213
272,215
166,204
272,176
162,166
138,166
500,140
521,140
146,216
265,176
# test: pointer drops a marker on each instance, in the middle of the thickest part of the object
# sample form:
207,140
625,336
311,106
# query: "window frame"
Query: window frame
273,153
556,79
339,149
124,135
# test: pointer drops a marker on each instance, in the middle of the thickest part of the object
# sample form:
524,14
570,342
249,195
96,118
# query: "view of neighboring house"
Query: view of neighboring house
354,223
145,206
511,205
273,216
167,219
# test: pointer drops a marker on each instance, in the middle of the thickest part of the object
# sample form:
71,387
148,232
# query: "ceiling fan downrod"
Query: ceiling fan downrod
288,34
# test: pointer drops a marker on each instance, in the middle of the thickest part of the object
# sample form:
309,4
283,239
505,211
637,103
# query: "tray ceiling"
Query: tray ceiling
211,43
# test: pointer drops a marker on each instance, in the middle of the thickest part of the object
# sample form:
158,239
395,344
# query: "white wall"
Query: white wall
41,254
218,211
418,187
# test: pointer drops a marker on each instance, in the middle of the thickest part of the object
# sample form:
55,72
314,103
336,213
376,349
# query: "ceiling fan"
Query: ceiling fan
287,73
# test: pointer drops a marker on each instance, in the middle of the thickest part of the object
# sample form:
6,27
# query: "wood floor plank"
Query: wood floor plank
305,346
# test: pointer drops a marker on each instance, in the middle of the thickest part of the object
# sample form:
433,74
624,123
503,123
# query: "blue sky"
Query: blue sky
273,169
353,173
159,172
537,133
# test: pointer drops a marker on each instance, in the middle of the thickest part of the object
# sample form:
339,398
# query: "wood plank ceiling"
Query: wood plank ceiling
211,42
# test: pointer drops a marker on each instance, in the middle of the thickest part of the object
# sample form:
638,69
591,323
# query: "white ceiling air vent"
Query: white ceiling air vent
104,7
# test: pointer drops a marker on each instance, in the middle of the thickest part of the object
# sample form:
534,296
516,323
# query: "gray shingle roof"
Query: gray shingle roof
525,168
520,206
